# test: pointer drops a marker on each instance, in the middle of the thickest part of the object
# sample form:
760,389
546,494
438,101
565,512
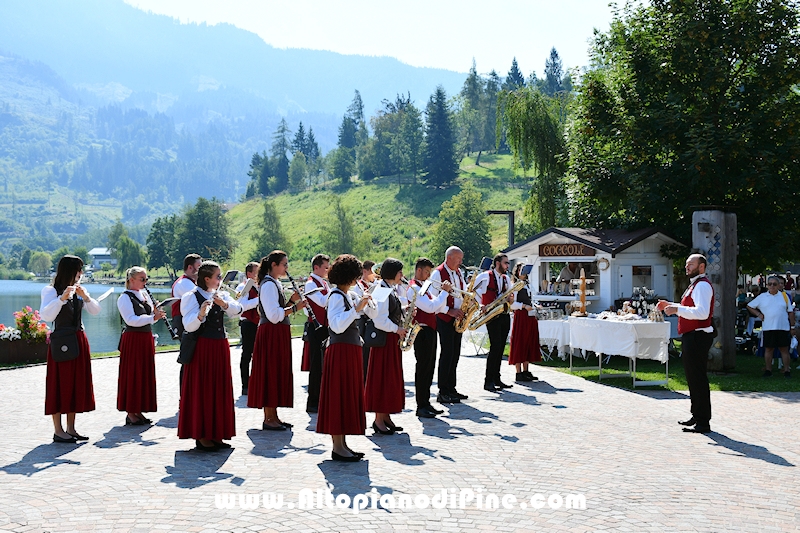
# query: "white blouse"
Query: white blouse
126,309
190,308
426,304
271,303
339,318
380,316
247,302
51,304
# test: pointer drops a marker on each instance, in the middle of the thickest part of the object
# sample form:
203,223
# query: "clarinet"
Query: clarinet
172,331
314,320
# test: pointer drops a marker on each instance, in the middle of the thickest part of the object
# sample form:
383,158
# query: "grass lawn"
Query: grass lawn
746,376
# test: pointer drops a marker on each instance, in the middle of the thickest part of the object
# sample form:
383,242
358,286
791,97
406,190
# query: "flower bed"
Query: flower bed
27,342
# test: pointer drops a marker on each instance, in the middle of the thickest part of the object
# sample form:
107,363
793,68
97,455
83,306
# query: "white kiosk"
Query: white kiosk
618,261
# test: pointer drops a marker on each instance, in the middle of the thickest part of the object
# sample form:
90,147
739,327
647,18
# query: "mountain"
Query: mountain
115,50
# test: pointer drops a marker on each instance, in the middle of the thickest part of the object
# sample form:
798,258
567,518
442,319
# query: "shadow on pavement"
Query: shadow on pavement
41,458
195,469
544,387
398,448
663,394
120,435
276,444
351,479
744,449
464,411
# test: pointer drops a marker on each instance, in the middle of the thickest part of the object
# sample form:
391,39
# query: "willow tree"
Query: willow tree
533,131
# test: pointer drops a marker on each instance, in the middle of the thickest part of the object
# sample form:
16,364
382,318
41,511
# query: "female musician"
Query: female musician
385,392
69,383
206,412
341,401
271,381
524,347
136,386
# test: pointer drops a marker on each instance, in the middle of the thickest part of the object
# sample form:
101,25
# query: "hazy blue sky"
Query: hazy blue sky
424,33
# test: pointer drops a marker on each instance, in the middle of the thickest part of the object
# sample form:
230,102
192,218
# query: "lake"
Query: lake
103,330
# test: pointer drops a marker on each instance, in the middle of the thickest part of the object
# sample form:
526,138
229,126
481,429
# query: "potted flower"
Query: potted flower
27,342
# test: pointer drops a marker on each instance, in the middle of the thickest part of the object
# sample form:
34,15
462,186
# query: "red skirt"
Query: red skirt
207,399
271,381
385,389
341,394
305,362
136,386
524,339
69,383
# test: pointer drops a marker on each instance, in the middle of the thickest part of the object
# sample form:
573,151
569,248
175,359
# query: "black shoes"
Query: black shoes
525,376
502,385
200,448
698,429
446,398
787,375
345,459
458,395
490,386
312,409
267,427
129,422
244,391
379,431
76,436
767,374
435,410
425,412
531,376
689,422
62,440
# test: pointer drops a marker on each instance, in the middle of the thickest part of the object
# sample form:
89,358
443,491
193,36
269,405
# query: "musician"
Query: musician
271,383
525,347
248,323
367,278
206,412
449,338
69,383
183,285
312,349
384,392
425,343
341,401
489,286
136,386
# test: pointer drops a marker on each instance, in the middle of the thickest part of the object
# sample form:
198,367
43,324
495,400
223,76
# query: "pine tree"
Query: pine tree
299,144
312,147
280,161
553,74
272,237
463,222
515,79
490,111
298,172
340,235
440,158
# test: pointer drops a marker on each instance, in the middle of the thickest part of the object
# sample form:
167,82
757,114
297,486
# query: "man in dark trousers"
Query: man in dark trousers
248,323
186,283
489,286
695,314
312,354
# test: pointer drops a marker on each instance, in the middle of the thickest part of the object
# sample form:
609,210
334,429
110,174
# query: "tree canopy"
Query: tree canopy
690,103
463,223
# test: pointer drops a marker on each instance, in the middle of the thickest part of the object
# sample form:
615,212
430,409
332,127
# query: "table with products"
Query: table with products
634,339
554,333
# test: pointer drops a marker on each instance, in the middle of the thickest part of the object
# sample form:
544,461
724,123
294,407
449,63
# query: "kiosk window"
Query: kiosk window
643,276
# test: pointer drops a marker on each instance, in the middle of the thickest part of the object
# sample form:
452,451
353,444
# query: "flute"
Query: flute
314,320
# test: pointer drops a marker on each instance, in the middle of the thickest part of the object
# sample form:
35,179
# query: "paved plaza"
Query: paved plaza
544,444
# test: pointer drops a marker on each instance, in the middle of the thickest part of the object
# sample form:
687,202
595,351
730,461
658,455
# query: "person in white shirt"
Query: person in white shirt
136,386
341,400
183,285
776,312
362,285
312,349
248,323
449,338
69,382
425,344
489,286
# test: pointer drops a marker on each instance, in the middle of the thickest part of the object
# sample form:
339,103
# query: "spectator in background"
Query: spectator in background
741,296
777,318
789,286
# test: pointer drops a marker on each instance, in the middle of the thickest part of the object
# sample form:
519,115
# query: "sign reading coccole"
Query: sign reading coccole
565,250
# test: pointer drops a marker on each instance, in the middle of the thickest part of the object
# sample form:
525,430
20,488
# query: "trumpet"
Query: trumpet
438,285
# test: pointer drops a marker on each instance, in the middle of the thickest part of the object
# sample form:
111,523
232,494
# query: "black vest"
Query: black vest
66,317
350,335
395,309
213,327
139,308
524,297
281,302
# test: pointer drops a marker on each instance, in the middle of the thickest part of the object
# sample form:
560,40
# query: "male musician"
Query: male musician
695,314
425,343
489,286
183,285
449,338
312,354
362,284
248,323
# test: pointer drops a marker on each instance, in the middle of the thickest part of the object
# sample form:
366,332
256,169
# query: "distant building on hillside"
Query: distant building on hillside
98,256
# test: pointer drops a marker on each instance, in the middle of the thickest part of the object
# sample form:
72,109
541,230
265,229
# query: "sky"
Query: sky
423,33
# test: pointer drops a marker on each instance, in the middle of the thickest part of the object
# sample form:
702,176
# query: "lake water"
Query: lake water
103,330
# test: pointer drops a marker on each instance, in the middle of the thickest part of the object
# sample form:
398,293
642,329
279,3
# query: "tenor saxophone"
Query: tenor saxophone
497,307
469,306
412,328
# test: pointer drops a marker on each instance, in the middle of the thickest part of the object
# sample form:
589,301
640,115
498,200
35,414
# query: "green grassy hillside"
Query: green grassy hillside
399,219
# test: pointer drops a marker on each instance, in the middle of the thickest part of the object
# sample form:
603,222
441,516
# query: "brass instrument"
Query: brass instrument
412,328
438,285
497,307
469,306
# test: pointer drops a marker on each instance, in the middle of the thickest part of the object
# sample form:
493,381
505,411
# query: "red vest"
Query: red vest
252,314
451,303
319,312
422,317
492,293
685,325
176,306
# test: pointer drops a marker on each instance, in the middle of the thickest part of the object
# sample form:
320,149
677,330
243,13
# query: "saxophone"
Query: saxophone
469,306
412,328
497,307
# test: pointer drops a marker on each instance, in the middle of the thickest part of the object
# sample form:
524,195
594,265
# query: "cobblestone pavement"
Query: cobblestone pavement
561,436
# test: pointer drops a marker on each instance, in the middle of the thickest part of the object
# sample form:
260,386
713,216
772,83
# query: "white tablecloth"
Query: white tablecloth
554,333
639,339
